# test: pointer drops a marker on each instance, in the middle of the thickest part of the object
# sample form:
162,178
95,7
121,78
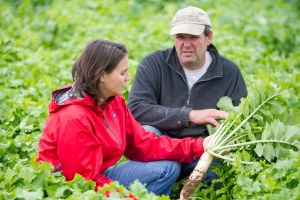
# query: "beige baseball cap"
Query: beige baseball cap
190,20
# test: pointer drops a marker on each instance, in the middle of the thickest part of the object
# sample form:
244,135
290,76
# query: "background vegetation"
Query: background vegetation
40,40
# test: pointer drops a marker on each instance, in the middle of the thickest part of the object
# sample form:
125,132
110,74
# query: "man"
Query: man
176,90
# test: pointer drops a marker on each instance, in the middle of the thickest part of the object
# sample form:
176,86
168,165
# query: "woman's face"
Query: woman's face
113,84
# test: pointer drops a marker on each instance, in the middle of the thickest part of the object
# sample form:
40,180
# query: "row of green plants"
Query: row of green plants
40,40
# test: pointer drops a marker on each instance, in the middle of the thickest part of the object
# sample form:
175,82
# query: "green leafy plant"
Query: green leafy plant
40,40
255,122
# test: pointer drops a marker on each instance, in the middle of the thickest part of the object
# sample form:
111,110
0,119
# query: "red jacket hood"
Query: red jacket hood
86,100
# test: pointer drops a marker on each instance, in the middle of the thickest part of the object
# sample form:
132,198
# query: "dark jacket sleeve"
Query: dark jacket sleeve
238,89
145,94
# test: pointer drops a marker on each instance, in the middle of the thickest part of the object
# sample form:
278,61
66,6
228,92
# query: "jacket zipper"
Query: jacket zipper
188,98
189,94
107,126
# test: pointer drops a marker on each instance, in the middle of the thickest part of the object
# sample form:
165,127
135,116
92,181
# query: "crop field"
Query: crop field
41,39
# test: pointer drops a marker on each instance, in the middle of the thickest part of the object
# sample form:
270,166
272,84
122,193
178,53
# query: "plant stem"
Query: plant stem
252,142
245,120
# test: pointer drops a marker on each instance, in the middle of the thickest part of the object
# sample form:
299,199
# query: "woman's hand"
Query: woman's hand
206,141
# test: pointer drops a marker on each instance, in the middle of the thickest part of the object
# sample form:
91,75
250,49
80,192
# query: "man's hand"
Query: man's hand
207,116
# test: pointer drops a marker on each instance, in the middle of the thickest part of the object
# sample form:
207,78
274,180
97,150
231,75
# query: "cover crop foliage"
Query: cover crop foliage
254,123
40,40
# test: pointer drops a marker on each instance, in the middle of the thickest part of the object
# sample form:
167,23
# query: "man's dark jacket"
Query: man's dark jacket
160,95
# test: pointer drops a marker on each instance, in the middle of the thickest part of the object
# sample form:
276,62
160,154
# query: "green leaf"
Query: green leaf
27,174
292,133
281,151
246,156
29,195
278,130
246,183
267,133
225,103
82,184
268,152
267,114
63,192
138,188
259,149
256,186
258,117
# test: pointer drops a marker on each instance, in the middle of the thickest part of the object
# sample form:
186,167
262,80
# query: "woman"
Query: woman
90,128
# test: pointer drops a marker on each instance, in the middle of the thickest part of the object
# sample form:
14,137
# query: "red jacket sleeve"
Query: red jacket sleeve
78,149
146,146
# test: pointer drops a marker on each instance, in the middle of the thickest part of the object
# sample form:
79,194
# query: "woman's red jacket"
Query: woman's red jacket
80,137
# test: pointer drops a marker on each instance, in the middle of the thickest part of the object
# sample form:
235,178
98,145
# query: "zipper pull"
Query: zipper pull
188,99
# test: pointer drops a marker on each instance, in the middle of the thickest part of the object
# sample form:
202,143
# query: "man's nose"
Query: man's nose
187,42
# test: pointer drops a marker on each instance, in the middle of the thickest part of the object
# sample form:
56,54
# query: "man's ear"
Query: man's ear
209,38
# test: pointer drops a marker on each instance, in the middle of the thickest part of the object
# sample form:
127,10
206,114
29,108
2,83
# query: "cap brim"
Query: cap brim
192,29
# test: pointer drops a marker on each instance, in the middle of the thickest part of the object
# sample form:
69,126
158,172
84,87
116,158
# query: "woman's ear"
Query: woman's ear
102,77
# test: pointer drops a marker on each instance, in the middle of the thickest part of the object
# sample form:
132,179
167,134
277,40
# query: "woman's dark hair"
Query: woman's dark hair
98,57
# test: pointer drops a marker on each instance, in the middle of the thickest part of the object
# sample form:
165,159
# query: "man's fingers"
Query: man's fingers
213,122
220,114
207,116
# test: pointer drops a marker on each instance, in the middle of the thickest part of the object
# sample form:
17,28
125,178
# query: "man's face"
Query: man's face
191,49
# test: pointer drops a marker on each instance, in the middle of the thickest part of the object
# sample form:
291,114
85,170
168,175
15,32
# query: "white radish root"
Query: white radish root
196,176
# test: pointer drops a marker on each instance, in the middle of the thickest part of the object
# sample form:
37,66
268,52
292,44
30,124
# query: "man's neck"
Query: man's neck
206,60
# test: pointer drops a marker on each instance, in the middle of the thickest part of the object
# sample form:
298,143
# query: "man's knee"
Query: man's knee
172,169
